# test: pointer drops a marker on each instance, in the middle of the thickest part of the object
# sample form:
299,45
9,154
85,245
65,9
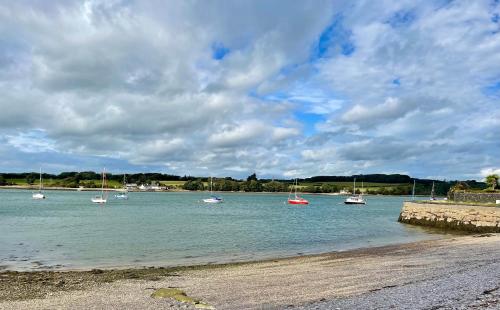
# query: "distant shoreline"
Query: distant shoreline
34,188
86,189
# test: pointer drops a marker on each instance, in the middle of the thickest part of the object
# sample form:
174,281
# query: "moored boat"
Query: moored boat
213,198
433,193
296,200
355,199
123,193
103,198
40,194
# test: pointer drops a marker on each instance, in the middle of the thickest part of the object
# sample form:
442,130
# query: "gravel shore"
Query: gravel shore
454,273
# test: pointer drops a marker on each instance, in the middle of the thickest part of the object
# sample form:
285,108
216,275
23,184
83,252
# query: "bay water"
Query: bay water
68,231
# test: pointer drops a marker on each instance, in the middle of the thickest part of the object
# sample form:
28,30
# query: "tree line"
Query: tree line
397,184
252,184
86,178
375,178
237,186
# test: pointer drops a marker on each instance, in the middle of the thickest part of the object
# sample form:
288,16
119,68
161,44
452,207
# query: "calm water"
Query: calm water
67,231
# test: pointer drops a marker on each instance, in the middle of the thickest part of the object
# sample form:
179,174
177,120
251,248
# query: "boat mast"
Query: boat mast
296,184
40,185
104,185
103,180
354,190
413,191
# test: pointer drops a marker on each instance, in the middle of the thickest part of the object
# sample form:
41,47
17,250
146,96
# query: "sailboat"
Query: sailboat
213,198
39,195
123,195
297,200
355,199
103,198
433,194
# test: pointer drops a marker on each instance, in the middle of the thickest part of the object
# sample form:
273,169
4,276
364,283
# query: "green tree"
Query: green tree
401,190
88,184
2,180
492,180
235,186
311,189
71,182
225,185
329,188
142,179
252,186
88,175
383,191
275,186
251,177
30,179
194,185
458,187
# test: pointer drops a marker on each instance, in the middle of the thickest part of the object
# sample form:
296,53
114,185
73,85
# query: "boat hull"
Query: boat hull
212,200
99,200
354,202
298,202
38,196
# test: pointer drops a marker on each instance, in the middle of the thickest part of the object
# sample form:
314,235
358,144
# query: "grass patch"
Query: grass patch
173,183
60,183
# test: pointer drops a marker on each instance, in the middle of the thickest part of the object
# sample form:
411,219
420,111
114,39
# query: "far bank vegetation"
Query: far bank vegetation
374,184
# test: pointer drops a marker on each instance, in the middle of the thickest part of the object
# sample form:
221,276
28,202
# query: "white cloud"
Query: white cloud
135,83
488,171
238,135
34,142
392,108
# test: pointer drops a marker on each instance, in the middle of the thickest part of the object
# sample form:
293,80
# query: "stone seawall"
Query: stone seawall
475,197
451,216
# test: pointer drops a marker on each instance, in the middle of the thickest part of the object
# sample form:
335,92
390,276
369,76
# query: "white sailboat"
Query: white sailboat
213,198
39,195
103,198
123,195
433,194
355,199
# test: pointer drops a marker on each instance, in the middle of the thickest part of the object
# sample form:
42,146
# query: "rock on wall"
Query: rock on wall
450,216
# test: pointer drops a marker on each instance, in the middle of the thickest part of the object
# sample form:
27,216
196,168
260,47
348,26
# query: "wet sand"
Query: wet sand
460,272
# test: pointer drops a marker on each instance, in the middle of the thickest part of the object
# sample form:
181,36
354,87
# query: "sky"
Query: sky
227,88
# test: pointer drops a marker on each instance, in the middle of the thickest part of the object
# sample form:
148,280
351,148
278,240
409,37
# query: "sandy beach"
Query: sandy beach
453,273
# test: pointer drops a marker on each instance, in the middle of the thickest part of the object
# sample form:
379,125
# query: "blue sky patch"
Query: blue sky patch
309,121
401,18
495,18
219,51
334,38
492,90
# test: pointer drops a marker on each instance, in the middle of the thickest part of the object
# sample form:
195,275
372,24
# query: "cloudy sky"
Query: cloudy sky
226,88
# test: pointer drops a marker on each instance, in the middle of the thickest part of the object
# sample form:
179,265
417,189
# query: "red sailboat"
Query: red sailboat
297,200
